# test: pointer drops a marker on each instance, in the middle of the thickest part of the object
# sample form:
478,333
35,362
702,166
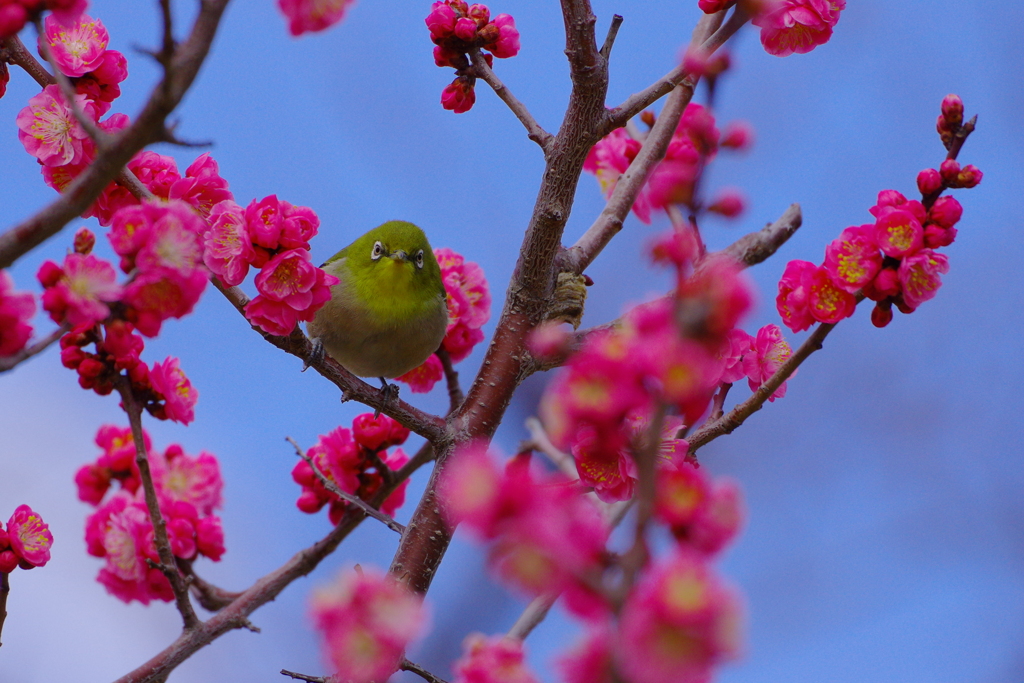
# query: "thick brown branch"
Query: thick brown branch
367,509
487,75
9,362
146,128
428,426
163,545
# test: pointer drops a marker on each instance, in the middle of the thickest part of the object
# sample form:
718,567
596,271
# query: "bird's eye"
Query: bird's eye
378,251
419,258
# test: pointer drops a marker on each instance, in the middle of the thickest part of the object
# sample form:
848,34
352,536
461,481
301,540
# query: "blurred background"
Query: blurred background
885,539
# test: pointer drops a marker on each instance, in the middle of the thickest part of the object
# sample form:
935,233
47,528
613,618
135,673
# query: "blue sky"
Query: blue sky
885,538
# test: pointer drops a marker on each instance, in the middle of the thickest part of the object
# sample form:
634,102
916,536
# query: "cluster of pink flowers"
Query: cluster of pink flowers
14,14
492,660
892,261
788,26
312,15
159,246
469,308
26,542
545,537
458,29
367,619
273,235
347,458
189,489
49,131
696,142
16,309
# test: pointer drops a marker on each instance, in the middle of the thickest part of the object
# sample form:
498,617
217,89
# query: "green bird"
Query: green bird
388,313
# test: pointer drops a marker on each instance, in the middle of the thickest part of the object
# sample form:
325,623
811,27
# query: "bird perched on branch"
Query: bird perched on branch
388,312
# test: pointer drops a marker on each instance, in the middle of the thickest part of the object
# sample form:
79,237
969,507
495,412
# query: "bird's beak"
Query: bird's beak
399,255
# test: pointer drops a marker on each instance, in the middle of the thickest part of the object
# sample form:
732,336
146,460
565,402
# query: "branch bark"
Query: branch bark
10,362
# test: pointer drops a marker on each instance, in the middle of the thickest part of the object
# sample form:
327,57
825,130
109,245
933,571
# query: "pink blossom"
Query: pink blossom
81,294
156,295
929,181
721,292
202,187
729,203
793,300
739,343
441,20
193,480
121,531
507,43
738,135
79,48
210,537
172,243
767,354
468,295
459,95
375,433
852,259
366,619
312,15
682,493
678,623
826,302
299,224
460,340
676,246
498,659
13,18
919,276
5,76
102,85
422,378
263,218
712,6
719,521
609,159
49,131
898,233
591,660
227,245
67,12
549,340
946,212
157,172
290,278
29,536
799,26
171,384
273,317
16,309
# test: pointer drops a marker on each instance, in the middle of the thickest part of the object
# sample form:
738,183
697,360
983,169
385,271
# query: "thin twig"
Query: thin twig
211,597
636,103
735,417
265,589
718,404
406,665
307,677
540,440
381,466
455,395
370,511
487,75
609,40
163,545
637,556
5,589
9,362
430,427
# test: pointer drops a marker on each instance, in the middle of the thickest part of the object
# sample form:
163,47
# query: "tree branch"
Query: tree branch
10,362
609,40
430,427
306,677
265,589
707,40
487,75
163,544
455,395
406,665
5,589
369,511
147,127
756,247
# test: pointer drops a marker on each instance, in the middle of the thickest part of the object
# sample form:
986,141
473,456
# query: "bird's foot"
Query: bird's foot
316,355
388,394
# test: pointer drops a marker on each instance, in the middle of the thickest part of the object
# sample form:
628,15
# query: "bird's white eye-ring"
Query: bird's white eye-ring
419,258
378,251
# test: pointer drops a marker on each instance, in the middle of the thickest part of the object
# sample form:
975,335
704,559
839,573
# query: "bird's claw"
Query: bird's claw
388,394
316,355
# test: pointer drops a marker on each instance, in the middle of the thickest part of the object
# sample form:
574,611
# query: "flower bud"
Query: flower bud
929,181
953,110
480,14
946,211
969,176
5,77
12,19
5,540
85,240
441,21
459,95
738,135
8,560
549,340
465,29
881,314
728,203
949,170
648,118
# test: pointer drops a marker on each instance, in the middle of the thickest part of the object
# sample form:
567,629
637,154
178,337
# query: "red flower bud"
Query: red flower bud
929,181
85,240
881,314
